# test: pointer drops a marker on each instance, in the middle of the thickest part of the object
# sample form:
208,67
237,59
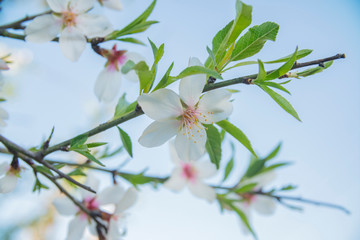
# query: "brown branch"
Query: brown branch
209,86
14,148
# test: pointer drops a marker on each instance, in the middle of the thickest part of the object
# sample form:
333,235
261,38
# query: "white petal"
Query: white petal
81,6
161,104
113,231
92,182
93,25
173,154
176,182
58,5
3,114
107,85
3,65
202,190
76,228
72,43
65,206
264,205
42,29
8,183
4,167
190,145
114,4
205,169
127,201
191,87
157,133
111,195
215,106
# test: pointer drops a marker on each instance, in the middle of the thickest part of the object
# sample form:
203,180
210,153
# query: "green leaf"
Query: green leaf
237,134
243,218
127,67
145,76
138,25
138,179
255,168
95,144
121,106
38,186
78,140
242,21
211,55
77,172
253,41
165,79
230,165
193,70
312,71
281,101
274,166
274,85
284,68
153,47
288,188
262,73
273,153
89,156
300,54
240,64
44,170
126,141
131,40
213,144
246,188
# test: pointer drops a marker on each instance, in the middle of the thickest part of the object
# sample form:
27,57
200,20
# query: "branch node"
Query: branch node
211,80
138,108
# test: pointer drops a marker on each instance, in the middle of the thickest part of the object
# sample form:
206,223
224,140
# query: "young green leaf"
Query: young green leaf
38,186
274,85
273,153
213,144
274,166
229,167
281,101
253,41
146,77
131,40
77,172
125,139
89,156
300,54
43,170
246,188
237,134
121,106
165,79
243,218
314,70
255,168
78,140
95,144
284,68
193,70
262,73
211,55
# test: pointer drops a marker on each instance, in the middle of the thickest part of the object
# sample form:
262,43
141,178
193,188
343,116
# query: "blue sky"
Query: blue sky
324,148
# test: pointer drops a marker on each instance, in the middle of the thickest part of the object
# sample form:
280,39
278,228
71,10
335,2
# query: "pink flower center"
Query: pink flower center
249,198
189,172
69,19
115,58
91,203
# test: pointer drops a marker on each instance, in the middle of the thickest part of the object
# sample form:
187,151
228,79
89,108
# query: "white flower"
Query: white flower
191,174
117,219
9,180
3,116
183,115
93,202
109,80
3,65
260,203
113,4
70,18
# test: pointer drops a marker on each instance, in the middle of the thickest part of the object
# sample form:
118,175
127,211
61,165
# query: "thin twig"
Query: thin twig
14,148
18,24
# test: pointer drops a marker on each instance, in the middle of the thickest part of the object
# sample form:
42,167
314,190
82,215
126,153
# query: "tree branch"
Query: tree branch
209,86
18,24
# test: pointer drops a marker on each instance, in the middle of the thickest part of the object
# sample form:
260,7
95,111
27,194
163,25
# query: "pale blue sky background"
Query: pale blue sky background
53,91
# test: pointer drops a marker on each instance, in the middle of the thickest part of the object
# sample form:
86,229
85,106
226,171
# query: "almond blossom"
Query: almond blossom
191,174
109,80
93,202
3,65
9,180
71,20
183,115
113,4
262,204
